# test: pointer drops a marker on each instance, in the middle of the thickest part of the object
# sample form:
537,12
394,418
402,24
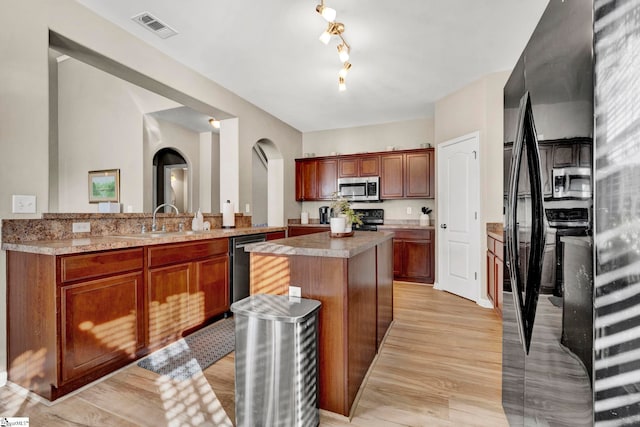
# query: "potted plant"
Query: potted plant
340,207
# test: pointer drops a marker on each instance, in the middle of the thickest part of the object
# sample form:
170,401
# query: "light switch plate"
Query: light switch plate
81,227
23,204
409,210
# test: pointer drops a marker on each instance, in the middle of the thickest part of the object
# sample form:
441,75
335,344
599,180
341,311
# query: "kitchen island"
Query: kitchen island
352,277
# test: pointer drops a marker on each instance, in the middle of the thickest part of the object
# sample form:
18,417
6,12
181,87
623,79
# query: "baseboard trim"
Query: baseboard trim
484,303
436,286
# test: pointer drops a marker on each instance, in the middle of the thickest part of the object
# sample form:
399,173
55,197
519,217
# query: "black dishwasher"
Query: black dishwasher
239,265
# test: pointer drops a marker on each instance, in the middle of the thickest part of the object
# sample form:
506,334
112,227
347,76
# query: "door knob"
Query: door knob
443,225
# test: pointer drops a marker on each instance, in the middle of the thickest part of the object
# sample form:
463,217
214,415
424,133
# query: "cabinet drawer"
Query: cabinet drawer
96,264
412,234
185,252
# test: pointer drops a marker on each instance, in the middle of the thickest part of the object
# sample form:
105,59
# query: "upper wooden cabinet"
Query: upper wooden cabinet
316,179
407,175
403,174
356,166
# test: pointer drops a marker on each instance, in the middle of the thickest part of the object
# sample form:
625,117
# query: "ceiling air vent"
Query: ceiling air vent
154,25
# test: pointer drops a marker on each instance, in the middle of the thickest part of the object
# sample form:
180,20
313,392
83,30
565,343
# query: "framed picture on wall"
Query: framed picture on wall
104,186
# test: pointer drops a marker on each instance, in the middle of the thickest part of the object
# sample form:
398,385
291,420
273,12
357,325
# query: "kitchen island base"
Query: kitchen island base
350,285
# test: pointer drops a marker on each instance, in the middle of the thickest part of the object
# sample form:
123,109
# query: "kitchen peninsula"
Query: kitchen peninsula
81,305
352,277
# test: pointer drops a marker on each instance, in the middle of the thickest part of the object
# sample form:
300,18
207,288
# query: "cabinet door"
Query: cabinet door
369,166
306,180
564,155
491,278
101,324
584,155
209,293
392,176
499,275
168,302
546,166
507,169
418,175
348,168
418,254
327,179
398,258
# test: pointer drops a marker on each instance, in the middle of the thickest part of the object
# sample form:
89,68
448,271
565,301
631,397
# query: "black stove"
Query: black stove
371,219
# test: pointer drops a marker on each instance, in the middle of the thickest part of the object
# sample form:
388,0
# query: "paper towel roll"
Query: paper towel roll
228,215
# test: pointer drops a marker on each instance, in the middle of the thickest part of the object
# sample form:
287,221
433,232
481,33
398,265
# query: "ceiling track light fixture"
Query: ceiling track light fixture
214,123
335,29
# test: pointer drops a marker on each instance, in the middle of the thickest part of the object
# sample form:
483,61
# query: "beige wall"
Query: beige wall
479,107
402,135
24,98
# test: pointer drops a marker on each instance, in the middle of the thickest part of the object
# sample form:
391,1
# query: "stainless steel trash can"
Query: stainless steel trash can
276,361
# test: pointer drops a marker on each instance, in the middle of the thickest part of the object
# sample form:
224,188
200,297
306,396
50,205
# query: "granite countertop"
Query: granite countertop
100,243
495,230
388,226
322,244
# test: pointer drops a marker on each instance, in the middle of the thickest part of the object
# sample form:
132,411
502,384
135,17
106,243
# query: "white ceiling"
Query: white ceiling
406,54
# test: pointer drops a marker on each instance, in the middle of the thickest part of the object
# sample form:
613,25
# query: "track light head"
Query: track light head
326,12
214,123
343,52
342,86
344,70
333,29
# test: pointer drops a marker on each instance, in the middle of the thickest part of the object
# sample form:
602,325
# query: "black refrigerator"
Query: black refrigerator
571,315
548,201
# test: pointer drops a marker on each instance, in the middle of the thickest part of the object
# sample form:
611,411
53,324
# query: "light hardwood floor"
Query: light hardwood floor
439,366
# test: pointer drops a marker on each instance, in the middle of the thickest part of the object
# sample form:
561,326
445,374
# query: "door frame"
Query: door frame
480,297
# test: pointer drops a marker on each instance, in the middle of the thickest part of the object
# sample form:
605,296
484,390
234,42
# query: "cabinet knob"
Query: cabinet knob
443,225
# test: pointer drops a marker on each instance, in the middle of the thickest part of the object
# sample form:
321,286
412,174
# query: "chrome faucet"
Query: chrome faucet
154,224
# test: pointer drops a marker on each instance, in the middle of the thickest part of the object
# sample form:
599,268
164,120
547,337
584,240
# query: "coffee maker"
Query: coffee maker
324,214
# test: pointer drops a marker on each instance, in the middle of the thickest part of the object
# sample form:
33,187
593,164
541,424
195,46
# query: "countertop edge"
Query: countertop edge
303,245
101,243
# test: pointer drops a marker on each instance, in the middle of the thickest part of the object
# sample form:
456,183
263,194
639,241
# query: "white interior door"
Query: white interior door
458,217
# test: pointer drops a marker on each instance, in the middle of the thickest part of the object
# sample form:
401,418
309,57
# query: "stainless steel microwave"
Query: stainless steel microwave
572,183
365,189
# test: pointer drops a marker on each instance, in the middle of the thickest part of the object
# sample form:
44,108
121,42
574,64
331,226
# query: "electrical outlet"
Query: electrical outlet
23,204
409,211
81,227
295,291
247,208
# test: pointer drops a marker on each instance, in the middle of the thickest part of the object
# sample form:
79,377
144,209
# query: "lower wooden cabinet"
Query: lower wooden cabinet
414,255
102,323
75,318
304,229
495,272
187,284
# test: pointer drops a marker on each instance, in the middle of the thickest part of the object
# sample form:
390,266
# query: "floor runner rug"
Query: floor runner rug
193,353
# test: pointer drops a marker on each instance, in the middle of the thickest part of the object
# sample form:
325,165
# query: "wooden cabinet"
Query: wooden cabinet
303,230
327,179
187,284
274,235
495,259
572,154
413,255
392,176
73,318
359,166
546,160
316,179
407,175
403,174
306,179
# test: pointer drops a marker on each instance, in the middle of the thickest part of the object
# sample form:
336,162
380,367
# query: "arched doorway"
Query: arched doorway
267,184
171,180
